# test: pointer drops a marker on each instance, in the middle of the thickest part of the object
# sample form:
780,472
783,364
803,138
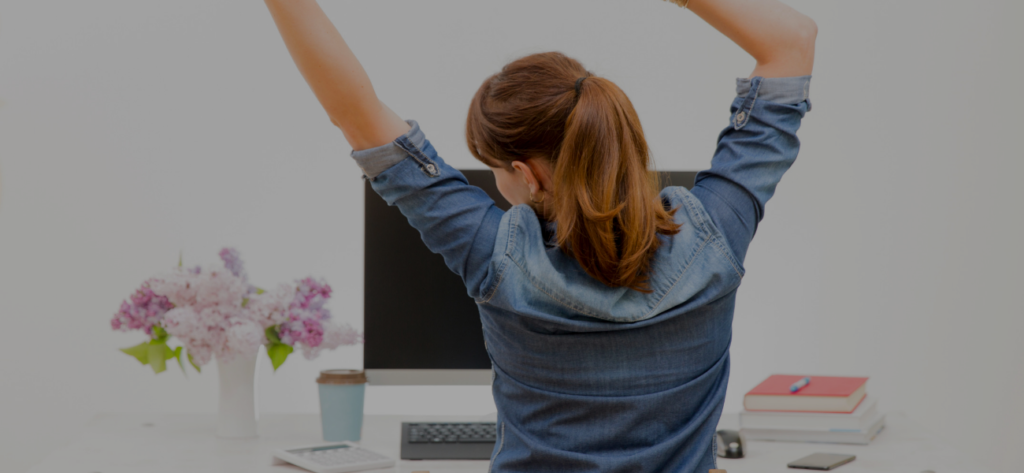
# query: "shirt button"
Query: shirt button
431,169
740,116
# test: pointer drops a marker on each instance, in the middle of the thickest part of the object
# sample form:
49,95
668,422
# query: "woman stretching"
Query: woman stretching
606,306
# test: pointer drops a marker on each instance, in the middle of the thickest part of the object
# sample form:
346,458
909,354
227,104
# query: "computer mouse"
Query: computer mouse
730,444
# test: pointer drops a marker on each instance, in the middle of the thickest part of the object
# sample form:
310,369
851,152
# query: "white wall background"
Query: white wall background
130,131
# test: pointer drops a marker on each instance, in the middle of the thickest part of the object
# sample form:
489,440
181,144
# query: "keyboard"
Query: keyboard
448,440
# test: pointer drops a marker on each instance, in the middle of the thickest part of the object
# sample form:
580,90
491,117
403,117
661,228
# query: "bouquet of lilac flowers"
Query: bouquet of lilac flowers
218,313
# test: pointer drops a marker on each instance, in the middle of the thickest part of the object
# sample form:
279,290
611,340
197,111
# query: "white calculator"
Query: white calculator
334,458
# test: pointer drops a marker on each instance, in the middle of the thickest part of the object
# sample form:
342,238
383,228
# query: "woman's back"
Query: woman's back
610,380
589,377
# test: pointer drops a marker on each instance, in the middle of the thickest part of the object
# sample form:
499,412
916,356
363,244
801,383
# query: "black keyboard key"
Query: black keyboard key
476,439
473,440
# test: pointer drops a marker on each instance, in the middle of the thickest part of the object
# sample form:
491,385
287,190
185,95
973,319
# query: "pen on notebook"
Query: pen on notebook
799,384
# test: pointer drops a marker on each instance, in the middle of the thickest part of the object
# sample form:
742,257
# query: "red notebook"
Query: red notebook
822,394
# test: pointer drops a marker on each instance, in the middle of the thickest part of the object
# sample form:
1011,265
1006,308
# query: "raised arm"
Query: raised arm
760,144
335,75
780,38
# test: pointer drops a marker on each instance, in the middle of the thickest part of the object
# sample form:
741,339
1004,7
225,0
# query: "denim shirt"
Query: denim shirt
589,378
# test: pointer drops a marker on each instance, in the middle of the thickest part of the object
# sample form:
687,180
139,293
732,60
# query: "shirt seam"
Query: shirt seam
509,247
730,254
677,279
714,236
561,301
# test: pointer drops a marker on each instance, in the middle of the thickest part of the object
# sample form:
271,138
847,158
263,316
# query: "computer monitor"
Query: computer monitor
421,328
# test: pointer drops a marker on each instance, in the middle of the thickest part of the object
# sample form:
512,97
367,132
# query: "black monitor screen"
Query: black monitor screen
417,313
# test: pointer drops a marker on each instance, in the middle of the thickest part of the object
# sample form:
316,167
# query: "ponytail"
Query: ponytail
606,203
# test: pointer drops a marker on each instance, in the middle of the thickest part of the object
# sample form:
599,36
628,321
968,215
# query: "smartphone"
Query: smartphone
822,461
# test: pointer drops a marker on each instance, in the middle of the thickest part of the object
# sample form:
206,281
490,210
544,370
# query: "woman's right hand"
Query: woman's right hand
335,75
780,38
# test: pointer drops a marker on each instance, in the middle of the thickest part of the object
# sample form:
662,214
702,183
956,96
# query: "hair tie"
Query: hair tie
578,82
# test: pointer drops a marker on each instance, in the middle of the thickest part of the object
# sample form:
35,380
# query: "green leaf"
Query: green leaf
278,352
271,334
245,301
159,334
259,291
192,362
140,352
157,357
177,356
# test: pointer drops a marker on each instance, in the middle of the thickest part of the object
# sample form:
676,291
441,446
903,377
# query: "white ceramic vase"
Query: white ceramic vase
236,411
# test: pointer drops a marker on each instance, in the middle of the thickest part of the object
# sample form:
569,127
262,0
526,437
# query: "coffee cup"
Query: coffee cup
341,404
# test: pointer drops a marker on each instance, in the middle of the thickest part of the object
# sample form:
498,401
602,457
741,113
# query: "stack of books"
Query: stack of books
828,409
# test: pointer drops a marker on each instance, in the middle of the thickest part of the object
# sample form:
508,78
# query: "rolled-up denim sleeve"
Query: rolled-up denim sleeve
753,153
455,219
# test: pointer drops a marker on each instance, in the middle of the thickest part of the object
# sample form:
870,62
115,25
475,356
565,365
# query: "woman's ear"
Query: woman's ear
529,177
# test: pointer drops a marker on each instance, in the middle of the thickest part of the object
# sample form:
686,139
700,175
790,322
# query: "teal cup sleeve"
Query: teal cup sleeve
341,411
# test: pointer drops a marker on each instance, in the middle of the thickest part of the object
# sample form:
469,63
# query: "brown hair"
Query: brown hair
605,200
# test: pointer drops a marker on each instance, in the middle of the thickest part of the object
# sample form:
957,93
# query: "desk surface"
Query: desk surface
143,443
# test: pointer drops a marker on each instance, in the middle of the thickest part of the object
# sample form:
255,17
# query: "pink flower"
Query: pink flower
205,311
311,294
308,325
243,336
301,330
210,320
145,310
220,288
233,262
335,335
185,324
271,307
179,286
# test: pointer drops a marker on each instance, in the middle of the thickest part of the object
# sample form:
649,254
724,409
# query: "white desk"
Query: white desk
140,443
904,446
